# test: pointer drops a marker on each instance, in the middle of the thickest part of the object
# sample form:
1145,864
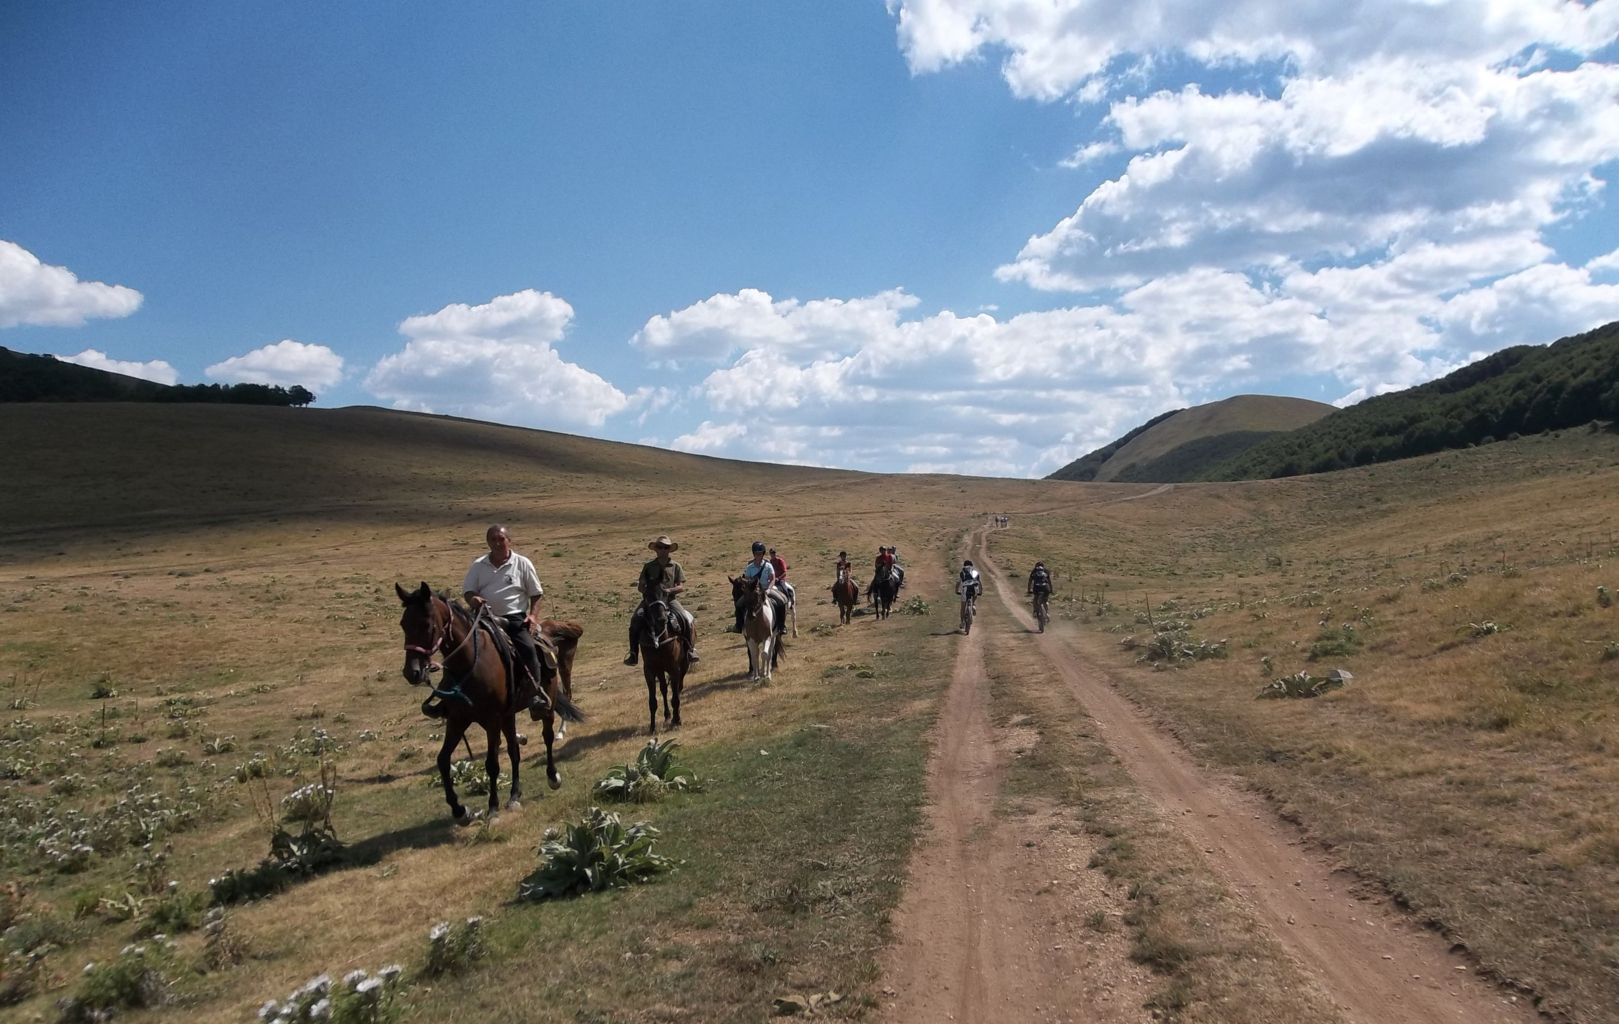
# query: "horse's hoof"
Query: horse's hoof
514,804
554,781
466,817
522,740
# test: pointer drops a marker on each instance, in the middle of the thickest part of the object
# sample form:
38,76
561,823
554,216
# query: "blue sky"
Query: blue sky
936,234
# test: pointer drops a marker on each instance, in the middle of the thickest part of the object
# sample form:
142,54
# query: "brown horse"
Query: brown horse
663,659
846,592
474,691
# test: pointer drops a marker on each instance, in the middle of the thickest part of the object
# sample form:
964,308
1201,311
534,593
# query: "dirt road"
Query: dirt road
981,939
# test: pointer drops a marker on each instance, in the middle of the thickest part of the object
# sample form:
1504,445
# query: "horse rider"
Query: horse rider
780,566
968,583
899,570
758,568
844,569
662,569
1040,583
505,583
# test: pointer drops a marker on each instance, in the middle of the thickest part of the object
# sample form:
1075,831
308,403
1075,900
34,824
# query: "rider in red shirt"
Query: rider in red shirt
778,564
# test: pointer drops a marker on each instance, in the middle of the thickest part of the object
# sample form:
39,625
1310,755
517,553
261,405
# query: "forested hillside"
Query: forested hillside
33,378
1522,390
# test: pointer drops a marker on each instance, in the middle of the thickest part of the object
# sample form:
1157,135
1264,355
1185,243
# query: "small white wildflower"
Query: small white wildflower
438,932
473,922
390,972
321,1010
88,968
368,986
353,978
268,1010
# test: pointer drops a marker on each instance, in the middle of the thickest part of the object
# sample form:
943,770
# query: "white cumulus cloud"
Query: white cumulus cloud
1027,394
495,361
284,363
36,293
155,370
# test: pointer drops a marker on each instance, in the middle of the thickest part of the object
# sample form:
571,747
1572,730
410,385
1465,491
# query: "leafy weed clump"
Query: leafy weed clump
454,948
466,775
915,606
1301,684
600,852
1173,643
655,771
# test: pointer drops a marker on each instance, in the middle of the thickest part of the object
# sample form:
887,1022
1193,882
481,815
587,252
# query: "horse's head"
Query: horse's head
656,603
754,595
738,583
426,630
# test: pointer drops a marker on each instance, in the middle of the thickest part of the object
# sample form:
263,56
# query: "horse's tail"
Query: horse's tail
567,708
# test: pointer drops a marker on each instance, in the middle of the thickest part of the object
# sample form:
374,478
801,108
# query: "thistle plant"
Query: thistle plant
453,948
600,852
360,998
655,771
137,978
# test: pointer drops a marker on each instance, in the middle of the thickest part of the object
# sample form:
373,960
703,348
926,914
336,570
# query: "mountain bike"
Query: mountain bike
969,608
1042,609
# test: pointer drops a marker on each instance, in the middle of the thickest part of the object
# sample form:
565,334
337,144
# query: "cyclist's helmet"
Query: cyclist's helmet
966,563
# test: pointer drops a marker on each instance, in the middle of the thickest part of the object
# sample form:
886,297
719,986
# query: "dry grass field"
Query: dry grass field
187,593
1469,767
227,573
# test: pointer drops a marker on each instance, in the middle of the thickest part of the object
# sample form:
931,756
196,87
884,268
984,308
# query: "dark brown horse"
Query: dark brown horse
885,591
663,659
846,592
475,689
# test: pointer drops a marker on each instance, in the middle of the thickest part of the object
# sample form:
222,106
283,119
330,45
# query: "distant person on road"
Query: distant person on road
758,568
662,569
505,583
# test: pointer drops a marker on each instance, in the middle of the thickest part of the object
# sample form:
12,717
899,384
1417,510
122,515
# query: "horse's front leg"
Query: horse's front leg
491,764
510,727
453,731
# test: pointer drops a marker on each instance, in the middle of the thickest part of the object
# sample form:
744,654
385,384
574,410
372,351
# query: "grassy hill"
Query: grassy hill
1527,389
1183,444
34,378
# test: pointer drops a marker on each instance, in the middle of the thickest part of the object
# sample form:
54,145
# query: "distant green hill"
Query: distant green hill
31,378
1086,466
1185,443
1522,390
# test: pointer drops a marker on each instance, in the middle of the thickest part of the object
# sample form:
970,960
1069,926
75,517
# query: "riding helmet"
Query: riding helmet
758,547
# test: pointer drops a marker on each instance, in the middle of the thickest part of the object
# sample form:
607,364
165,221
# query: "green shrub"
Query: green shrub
466,775
454,948
1301,684
1335,643
600,852
137,979
915,606
654,772
173,912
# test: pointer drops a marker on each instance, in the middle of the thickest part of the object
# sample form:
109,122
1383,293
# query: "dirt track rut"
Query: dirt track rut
979,941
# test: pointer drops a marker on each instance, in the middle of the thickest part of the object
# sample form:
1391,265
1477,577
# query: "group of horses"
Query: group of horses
476,688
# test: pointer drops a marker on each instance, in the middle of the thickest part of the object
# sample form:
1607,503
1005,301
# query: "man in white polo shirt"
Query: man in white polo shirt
506,582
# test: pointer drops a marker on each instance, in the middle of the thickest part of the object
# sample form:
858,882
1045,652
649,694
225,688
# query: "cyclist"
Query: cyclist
1040,588
968,583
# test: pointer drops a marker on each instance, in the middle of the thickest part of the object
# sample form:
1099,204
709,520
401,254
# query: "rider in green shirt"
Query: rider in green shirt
668,572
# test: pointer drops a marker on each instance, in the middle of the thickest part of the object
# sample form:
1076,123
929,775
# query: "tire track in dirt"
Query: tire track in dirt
985,934
1370,960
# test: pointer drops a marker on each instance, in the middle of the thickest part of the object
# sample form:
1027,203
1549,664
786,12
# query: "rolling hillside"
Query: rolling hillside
1527,389
1184,444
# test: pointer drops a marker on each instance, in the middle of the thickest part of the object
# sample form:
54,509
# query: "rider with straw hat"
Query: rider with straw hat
662,569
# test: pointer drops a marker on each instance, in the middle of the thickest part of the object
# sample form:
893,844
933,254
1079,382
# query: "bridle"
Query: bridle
440,634
662,636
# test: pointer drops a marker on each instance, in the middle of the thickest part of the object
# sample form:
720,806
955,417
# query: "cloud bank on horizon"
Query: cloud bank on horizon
1369,194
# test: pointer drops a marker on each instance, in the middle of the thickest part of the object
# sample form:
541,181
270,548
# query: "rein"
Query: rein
456,691
663,636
